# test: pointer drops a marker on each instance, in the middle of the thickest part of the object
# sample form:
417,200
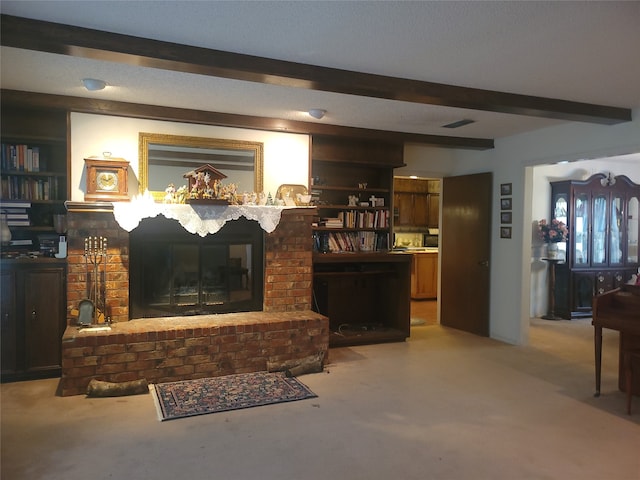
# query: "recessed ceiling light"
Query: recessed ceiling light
458,124
93,84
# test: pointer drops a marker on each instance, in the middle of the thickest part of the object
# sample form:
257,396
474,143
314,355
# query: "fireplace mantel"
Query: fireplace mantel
200,219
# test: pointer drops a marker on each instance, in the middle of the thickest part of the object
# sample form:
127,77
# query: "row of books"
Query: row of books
14,187
358,219
16,215
366,241
365,218
22,158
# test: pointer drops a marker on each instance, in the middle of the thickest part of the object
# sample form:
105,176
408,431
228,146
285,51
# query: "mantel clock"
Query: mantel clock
106,179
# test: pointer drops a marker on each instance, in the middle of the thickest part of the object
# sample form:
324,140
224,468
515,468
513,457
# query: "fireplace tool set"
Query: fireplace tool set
91,310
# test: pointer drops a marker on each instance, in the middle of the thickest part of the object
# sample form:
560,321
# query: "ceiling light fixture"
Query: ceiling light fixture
317,113
93,84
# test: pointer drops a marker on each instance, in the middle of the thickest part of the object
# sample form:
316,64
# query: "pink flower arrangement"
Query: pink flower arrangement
553,232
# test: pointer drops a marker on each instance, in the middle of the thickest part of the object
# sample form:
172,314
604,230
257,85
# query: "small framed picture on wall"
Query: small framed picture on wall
506,217
505,232
505,203
505,189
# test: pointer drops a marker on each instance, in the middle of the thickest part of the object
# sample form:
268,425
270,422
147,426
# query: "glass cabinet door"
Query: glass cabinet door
581,230
615,230
560,207
633,229
600,243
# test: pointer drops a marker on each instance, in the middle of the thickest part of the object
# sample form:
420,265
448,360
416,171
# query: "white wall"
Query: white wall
286,155
512,161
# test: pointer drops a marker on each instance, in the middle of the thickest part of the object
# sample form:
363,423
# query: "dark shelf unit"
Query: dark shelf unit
44,190
365,292
360,169
33,288
365,295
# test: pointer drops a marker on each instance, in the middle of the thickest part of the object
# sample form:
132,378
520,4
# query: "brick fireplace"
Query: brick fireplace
176,348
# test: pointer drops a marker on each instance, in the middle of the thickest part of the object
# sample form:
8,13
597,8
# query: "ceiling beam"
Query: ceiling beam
57,38
23,99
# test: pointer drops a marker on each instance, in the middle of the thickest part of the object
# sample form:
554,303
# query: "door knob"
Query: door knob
483,263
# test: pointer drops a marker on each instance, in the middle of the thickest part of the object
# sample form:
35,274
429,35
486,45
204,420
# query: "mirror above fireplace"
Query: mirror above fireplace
164,159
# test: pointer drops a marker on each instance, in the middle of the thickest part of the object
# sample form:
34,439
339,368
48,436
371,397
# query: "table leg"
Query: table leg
597,338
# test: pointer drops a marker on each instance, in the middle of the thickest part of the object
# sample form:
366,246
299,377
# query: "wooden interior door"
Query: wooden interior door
465,246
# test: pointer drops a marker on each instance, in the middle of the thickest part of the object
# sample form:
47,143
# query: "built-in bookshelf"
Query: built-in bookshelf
351,185
33,173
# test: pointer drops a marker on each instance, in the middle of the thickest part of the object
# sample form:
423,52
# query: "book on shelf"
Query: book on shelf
14,204
19,223
20,157
333,223
21,243
15,216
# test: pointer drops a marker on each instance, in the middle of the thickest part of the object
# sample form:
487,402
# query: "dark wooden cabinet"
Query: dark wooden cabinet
411,209
416,203
33,317
365,296
602,215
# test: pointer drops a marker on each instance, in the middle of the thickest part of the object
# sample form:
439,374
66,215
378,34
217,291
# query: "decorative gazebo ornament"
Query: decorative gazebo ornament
205,185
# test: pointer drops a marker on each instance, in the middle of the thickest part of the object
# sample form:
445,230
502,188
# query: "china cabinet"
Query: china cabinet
602,250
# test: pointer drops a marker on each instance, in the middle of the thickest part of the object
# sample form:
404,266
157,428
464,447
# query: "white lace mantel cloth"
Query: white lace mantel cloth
200,219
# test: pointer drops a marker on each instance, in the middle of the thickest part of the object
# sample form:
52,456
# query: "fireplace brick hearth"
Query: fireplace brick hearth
175,348
169,349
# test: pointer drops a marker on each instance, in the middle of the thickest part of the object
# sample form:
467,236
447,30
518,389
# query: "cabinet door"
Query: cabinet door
434,211
600,228
420,210
403,204
616,230
584,287
424,276
581,238
8,321
633,229
44,318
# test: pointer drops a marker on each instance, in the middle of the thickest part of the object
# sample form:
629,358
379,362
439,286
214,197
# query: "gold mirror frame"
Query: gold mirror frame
145,139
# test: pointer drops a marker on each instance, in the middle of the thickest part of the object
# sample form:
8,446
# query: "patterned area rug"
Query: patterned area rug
220,394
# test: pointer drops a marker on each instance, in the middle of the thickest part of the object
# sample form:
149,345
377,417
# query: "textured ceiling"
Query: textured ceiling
578,51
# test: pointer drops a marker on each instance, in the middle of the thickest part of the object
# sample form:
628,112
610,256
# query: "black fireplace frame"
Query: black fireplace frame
160,232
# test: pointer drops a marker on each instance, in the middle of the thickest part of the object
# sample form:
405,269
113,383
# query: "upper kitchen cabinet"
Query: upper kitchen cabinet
602,215
416,203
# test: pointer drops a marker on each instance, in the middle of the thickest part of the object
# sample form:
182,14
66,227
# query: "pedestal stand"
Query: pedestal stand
551,304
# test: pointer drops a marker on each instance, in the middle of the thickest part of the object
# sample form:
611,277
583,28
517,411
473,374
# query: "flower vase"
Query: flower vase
552,251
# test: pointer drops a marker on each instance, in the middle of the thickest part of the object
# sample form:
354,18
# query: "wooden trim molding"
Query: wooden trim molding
89,43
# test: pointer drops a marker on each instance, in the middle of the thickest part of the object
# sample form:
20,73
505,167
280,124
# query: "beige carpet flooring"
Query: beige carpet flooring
443,405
